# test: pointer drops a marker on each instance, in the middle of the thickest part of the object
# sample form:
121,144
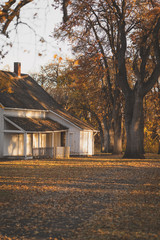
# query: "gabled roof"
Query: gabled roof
36,125
27,94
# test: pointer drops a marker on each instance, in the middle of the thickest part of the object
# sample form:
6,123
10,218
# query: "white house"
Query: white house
32,123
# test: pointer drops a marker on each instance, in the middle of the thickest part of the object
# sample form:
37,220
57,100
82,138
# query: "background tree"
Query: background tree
127,31
88,40
53,78
78,86
9,11
152,120
93,97
86,96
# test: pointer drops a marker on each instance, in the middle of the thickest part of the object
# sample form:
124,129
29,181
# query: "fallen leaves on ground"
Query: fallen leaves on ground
80,198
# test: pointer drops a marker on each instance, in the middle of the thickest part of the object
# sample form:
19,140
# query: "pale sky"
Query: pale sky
27,47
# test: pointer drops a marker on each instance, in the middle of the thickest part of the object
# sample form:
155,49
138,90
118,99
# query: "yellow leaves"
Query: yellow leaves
56,57
100,55
76,63
152,122
69,2
2,18
69,59
155,11
59,59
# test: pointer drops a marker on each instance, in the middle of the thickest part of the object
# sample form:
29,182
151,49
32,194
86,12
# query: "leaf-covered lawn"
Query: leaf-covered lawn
95,198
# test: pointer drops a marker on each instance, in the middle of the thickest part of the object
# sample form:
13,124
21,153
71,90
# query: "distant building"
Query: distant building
32,123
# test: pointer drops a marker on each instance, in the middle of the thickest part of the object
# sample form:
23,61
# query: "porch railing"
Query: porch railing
48,152
43,152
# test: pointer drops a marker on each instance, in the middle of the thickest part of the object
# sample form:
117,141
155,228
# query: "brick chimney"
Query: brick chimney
17,68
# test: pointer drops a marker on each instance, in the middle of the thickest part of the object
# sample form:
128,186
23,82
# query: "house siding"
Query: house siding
72,136
86,143
79,140
24,113
73,142
13,145
1,131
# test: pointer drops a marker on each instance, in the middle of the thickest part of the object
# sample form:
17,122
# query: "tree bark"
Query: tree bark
159,147
117,149
134,125
117,120
106,141
108,135
101,139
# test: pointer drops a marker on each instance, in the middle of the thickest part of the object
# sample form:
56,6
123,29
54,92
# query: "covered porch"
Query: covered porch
34,138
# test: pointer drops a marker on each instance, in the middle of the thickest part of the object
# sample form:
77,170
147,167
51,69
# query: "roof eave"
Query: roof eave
54,131
65,119
25,109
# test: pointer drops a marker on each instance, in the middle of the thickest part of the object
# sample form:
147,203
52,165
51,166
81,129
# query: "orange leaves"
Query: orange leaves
2,16
60,59
150,18
100,55
76,63
57,58
69,2
152,120
154,12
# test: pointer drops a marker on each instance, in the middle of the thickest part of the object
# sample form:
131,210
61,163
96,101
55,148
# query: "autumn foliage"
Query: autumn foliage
127,34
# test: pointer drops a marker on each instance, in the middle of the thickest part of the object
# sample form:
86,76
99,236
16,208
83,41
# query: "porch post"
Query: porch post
92,143
25,145
38,141
52,144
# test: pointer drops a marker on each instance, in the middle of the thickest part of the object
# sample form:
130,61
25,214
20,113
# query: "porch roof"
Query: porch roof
37,124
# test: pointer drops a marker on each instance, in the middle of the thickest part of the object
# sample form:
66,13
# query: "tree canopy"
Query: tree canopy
127,32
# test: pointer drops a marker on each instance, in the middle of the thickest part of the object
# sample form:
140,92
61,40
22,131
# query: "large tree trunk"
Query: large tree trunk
134,126
117,119
106,141
117,149
159,147
108,135
101,139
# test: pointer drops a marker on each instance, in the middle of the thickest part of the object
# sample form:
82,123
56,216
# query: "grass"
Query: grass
97,198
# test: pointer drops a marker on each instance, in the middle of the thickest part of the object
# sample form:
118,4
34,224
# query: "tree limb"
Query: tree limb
14,13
